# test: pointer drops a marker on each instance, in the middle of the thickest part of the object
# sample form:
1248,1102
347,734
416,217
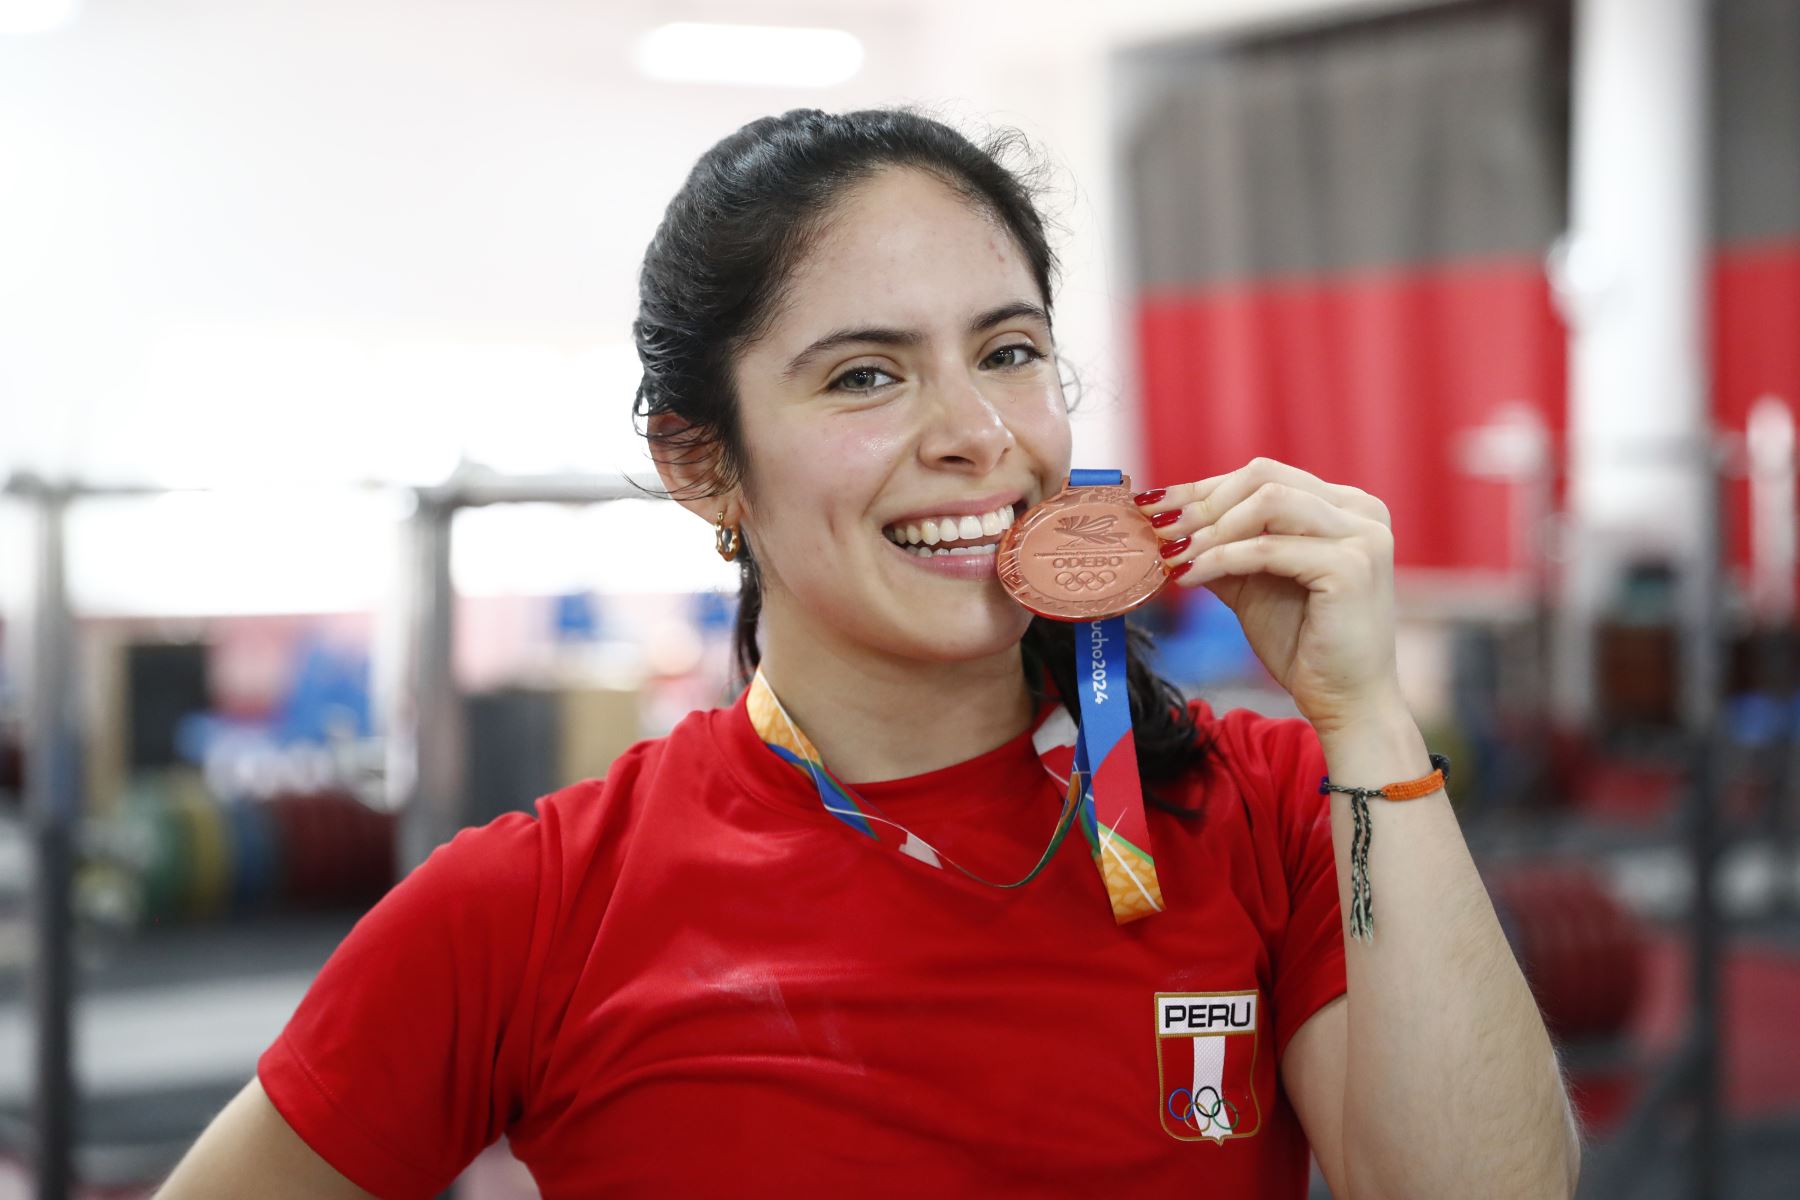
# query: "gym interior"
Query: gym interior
325,531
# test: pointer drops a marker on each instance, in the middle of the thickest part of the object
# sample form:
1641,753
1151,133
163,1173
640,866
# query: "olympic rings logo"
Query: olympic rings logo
1185,1106
1089,581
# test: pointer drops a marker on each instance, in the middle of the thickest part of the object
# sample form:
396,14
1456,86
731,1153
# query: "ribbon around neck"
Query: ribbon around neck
1094,764
783,736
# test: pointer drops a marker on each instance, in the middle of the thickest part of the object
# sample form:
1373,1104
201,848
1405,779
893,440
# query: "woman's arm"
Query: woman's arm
248,1150
1450,1084
1312,1075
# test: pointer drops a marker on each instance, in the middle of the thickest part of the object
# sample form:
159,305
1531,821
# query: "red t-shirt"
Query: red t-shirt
688,979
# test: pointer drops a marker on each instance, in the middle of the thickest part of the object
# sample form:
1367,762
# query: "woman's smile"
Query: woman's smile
955,540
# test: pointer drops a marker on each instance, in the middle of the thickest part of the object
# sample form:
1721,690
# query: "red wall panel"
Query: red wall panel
1367,379
1370,378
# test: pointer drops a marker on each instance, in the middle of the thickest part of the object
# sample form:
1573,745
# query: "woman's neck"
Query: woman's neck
875,717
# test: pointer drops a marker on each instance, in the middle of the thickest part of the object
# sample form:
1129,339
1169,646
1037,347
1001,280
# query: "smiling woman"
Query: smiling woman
711,972
827,296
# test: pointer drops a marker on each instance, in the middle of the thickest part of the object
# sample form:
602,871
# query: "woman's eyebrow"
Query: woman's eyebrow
1006,312
873,333
886,336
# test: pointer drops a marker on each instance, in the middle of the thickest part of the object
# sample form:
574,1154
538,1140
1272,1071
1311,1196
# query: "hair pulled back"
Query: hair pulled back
712,283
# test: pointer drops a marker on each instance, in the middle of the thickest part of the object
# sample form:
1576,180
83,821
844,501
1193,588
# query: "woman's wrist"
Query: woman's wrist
1380,744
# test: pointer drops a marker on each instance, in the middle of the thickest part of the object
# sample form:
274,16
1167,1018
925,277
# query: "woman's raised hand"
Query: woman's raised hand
1307,566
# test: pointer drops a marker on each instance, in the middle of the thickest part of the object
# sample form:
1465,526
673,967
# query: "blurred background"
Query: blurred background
319,538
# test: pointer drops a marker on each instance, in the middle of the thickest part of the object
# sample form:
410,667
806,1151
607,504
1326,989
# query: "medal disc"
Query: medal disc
1083,554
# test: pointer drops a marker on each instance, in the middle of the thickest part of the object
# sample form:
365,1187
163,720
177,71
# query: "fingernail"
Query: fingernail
1180,569
1171,549
1149,497
1163,519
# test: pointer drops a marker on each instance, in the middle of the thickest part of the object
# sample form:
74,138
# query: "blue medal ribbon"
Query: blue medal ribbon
1106,756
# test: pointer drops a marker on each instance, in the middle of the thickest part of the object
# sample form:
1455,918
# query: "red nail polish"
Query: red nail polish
1171,549
1149,497
1180,569
1163,519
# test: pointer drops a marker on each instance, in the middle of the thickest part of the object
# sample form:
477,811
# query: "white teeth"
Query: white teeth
986,550
959,528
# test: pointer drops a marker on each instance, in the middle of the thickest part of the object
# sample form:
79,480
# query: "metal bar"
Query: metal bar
475,487
426,735
1769,447
26,485
1705,639
52,806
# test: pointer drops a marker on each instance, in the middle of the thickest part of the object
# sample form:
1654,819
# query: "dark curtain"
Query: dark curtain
1338,235
1339,238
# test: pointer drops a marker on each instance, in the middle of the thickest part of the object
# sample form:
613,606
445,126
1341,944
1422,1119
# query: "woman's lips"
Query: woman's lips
977,562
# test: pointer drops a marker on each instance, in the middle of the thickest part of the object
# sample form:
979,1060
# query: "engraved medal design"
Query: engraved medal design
1085,553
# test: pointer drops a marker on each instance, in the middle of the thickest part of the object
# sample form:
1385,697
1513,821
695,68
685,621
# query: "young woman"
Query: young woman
712,973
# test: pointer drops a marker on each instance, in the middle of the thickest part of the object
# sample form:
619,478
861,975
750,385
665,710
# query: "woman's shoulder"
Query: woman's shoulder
682,756
590,823
1257,786
504,856
1265,760
1249,738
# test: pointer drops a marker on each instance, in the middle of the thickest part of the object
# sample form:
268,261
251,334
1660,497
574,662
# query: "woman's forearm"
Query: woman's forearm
1452,1085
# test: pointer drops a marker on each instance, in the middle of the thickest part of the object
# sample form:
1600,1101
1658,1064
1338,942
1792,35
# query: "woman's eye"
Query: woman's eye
860,379
1003,356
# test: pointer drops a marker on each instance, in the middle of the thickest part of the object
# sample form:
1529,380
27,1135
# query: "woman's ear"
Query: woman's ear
687,463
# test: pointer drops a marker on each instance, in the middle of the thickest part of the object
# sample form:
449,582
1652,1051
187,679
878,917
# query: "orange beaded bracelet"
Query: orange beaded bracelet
1410,789
1362,899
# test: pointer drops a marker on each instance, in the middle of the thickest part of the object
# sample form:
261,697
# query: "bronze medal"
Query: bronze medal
1083,554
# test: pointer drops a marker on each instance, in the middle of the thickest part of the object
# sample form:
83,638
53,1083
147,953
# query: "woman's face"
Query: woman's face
903,406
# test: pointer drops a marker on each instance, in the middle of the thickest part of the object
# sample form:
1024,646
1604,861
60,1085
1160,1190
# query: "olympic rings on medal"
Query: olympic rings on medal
1191,1104
1090,581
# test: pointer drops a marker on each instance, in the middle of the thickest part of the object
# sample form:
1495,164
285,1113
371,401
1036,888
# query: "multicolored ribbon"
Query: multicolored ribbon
782,735
1108,797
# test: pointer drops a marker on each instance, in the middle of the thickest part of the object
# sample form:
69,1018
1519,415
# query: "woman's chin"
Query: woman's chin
972,632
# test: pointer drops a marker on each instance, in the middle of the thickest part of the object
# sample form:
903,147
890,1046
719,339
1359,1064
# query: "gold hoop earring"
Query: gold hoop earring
726,538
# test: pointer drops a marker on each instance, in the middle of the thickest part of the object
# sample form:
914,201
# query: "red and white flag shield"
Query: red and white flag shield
1206,1045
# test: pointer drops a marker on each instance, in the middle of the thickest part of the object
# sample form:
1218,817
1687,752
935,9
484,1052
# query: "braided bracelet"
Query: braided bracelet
1362,900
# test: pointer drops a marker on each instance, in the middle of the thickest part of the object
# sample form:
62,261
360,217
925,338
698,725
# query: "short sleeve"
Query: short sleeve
398,1067
1309,956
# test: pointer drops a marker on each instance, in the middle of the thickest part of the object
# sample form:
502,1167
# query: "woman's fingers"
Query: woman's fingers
1271,508
1279,508
1309,561
1201,503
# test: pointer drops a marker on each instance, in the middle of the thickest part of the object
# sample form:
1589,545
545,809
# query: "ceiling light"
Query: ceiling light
759,55
36,16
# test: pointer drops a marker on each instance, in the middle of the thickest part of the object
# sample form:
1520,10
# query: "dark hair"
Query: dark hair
711,284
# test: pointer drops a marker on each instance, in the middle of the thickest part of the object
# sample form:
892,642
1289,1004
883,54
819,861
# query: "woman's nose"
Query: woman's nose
965,428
